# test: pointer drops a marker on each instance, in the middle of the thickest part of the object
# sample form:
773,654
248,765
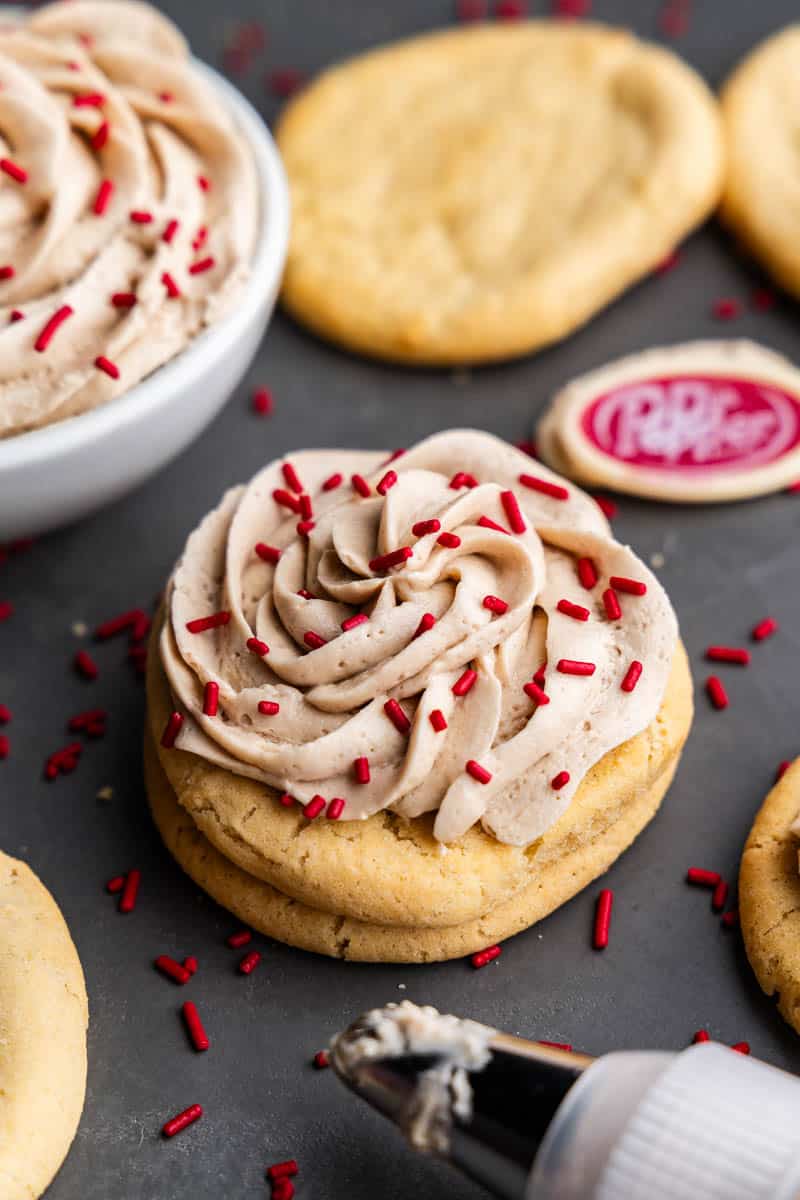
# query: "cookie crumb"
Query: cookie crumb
79,629
105,793
657,560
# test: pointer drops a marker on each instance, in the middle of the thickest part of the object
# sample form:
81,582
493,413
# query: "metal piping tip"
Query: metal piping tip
478,1098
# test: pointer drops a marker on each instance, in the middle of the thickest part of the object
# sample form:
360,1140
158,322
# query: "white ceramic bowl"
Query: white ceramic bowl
54,475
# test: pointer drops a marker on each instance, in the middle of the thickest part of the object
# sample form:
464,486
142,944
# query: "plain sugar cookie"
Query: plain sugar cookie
759,103
769,896
43,1019
697,423
470,196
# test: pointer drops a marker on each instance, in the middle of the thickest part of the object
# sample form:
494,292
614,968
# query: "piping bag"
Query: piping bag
531,1122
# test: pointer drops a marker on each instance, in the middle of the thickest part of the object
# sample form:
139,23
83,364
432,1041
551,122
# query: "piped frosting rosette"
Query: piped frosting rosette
128,206
452,630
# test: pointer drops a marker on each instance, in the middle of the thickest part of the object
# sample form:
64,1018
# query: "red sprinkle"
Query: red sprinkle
361,769
571,666
313,640
314,807
556,1045
200,238
5,747
466,681
256,646
202,624
607,507
123,299
85,665
7,272
306,594
6,610
171,730
536,693
728,654
286,800
5,714
388,481
576,611
763,299
488,523
632,676
726,308
269,554
702,878
191,964
765,629
285,81
554,490
332,482
211,699
240,939
188,1117
291,477
450,541
463,479
427,622
116,884
100,136
702,1035
438,720
173,291
58,318
633,587
354,621
741,1047
587,573
87,720
396,715
194,1026
424,527
611,604
602,919
286,499
262,401
720,896
560,781
171,229
783,767
484,957
202,265
172,969
716,692
321,1060
512,511
130,891
268,708
203,183
335,808
140,216
101,200
395,558
106,365
306,509
16,314
249,963
14,170
360,485
88,100
282,1170
669,263
478,772
730,919
471,10
495,605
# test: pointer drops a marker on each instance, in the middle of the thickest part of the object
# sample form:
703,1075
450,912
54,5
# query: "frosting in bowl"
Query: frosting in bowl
449,616
128,206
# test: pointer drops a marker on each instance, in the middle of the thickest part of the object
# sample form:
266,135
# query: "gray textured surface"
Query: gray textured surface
669,968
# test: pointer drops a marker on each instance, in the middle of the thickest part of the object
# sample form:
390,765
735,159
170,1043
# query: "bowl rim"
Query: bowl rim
188,367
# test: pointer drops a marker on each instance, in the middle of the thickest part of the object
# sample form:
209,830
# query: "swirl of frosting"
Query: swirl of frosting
457,617
128,206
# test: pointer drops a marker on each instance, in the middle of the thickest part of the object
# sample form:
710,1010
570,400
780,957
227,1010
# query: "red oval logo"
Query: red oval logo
694,423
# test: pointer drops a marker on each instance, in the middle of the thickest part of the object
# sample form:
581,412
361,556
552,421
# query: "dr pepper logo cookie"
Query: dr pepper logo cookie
707,421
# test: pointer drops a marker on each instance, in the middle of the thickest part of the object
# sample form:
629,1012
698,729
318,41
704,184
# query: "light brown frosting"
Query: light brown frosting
332,698
167,133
